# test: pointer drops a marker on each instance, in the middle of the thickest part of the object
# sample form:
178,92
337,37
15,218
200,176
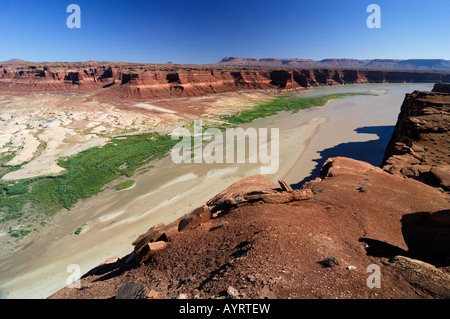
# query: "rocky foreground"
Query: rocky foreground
257,239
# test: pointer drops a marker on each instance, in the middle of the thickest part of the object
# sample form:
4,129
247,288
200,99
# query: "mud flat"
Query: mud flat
40,129
111,220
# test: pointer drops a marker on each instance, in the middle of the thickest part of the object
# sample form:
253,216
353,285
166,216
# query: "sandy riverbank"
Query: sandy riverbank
113,219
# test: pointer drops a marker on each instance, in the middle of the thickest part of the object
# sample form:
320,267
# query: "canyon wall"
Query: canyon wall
420,144
140,82
419,149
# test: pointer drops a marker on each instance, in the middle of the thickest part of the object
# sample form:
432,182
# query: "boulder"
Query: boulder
149,237
249,184
285,186
195,218
442,175
149,249
335,166
157,245
159,232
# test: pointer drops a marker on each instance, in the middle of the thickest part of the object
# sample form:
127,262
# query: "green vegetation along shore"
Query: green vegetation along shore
86,174
282,103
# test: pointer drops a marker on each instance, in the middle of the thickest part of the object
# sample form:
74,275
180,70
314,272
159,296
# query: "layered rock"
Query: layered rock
419,149
141,82
420,145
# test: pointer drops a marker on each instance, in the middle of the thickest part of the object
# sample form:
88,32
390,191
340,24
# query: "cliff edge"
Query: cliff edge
420,145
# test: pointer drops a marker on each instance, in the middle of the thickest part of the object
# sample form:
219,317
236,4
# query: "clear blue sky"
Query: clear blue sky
204,31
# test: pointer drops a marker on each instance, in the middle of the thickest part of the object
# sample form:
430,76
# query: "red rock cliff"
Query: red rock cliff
138,82
419,147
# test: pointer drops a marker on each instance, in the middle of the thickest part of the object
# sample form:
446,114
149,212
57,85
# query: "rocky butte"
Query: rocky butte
257,239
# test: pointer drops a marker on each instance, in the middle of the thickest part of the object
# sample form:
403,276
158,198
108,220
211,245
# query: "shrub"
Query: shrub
330,261
362,189
125,184
16,189
19,233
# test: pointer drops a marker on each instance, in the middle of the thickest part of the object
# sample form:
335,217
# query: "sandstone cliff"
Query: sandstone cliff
420,145
140,82
419,149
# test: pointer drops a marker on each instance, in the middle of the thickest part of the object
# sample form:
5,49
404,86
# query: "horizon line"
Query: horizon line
19,60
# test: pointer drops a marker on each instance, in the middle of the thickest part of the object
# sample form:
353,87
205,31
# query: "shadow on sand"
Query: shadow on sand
371,152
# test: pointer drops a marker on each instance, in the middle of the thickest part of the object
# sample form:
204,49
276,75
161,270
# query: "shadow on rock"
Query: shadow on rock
428,235
109,270
377,248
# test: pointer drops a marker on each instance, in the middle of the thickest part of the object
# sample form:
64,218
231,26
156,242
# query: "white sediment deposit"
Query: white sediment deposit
38,130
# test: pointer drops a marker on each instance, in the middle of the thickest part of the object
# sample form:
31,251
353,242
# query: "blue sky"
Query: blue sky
205,31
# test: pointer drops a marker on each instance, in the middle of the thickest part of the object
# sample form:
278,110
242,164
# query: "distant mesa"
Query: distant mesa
237,60
15,60
374,64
